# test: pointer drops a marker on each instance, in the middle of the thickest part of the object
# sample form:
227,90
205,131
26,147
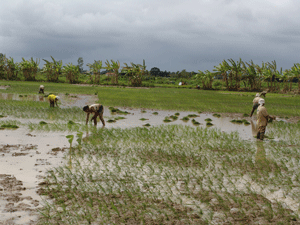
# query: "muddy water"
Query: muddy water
26,157
223,123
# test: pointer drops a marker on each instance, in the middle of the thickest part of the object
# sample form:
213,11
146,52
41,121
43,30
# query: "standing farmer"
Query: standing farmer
97,110
255,103
262,119
42,88
53,100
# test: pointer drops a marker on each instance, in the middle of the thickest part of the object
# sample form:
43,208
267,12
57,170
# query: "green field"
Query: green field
182,99
168,174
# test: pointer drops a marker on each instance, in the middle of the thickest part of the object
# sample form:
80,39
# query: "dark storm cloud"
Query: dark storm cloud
172,35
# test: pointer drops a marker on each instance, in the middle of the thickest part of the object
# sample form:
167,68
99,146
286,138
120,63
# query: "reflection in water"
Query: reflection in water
253,127
261,161
17,97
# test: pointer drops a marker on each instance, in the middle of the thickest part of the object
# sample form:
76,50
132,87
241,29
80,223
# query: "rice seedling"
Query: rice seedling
167,119
195,122
70,122
209,124
119,118
42,123
151,175
192,115
245,115
1,116
111,121
143,111
208,119
147,125
173,117
216,115
185,119
143,119
155,113
177,114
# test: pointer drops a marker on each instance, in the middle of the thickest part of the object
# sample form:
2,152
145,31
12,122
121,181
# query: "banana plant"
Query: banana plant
114,67
95,69
12,69
29,68
223,69
235,73
52,69
72,73
206,78
135,73
296,73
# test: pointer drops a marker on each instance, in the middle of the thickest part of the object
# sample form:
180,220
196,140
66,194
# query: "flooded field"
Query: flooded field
26,155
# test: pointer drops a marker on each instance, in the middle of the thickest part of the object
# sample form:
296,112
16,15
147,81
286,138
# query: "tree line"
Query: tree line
235,74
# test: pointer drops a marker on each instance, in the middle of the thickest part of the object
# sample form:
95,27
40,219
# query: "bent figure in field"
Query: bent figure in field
97,110
53,100
255,103
262,119
42,88
263,93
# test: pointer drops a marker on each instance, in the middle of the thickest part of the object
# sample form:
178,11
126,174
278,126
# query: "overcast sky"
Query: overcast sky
169,34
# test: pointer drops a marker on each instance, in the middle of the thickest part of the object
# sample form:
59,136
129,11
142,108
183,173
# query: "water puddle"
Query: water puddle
17,97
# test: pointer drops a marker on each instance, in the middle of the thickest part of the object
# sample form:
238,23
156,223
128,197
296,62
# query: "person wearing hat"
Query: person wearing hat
42,88
97,110
53,100
255,103
262,119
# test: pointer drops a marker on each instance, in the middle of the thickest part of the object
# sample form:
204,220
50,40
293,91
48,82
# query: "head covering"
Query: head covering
257,95
261,101
57,97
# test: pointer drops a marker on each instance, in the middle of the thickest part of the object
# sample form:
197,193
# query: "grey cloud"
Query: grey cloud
172,35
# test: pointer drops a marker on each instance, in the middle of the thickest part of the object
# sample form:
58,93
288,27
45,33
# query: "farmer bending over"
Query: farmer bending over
255,103
42,88
97,110
262,119
53,100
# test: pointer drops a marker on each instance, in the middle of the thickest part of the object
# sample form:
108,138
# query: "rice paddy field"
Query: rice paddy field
178,169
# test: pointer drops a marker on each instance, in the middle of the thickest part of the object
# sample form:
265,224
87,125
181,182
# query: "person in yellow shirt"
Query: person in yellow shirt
255,103
53,100
262,119
97,110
